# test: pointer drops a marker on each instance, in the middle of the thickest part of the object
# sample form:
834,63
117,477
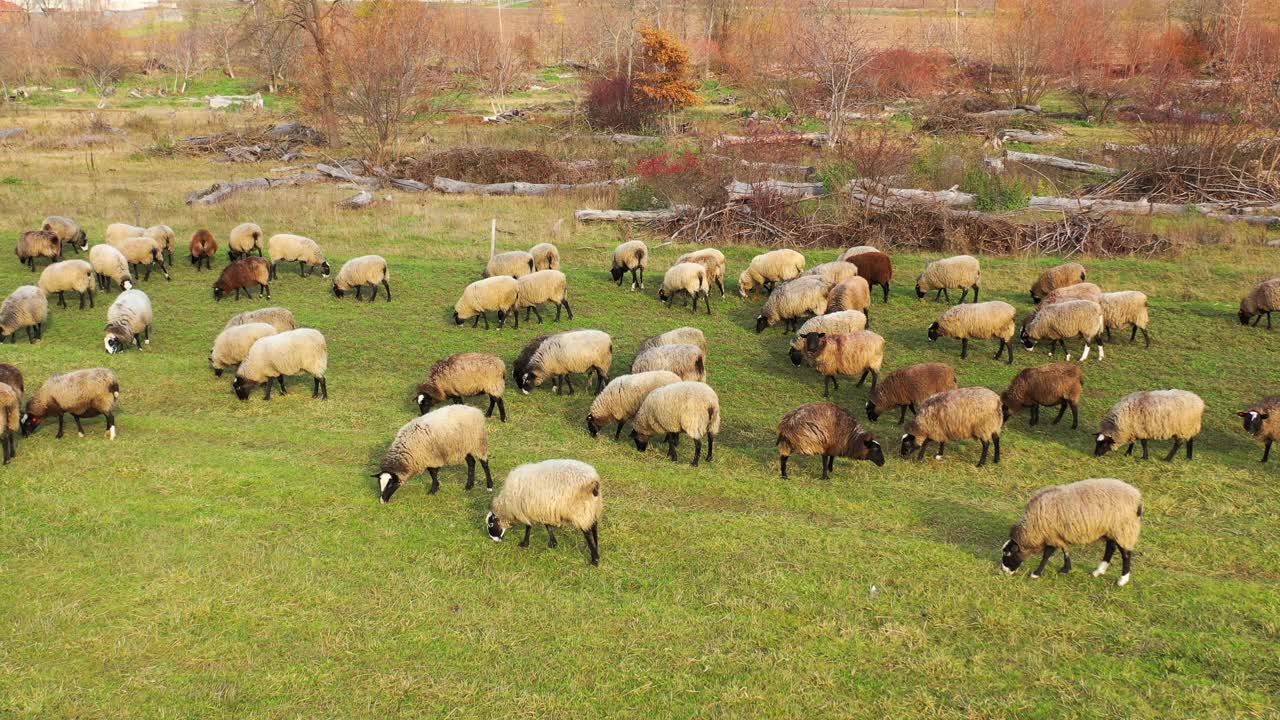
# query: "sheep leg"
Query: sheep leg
566,309
923,445
1146,337
1190,448
942,450
720,285
568,381
475,320
937,295
315,387
302,269
148,275
483,316
79,427
782,462
359,288
875,378
1107,330
1044,560
534,308
964,294
964,348
706,301
985,447
1145,454
471,472
863,379
488,476
695,301
866,312
1062,410
1177,443
267,394
635,281
593,542
946,295
697,451
618,433
280,378
59,435
711,447
1125,556
1106,558
1256,318
61,301
999,350
673,440
81,301
1066,563
1266,451
886,291
602,377
551,537
435,480
387,286
374,296
826,382
1035,415
975,292
528,530
1129,452
902,416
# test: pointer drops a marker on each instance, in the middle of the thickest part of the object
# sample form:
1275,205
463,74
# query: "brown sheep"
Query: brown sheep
908,387
203,247
38,244
827,430
850,294
876,268
1056,277
1059,384
242,275
844,354
1262,420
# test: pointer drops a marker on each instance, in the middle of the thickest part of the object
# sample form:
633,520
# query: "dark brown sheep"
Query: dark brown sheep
876,268
829,431
10,375
242,275
908,387
1059,384
203,247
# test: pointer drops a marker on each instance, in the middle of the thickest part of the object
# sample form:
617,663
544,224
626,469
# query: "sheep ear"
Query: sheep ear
1264,416
1242,414
1101,438
906,435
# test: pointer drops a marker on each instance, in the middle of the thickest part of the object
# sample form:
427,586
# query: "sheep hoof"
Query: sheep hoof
1102,569
1124,580
1035,576
937,457
79,434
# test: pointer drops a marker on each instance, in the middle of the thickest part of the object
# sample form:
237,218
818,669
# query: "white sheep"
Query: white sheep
128,322
713,260
858,250
621,398
542,286
687,361
284,247
953,273
561,355
498,294
110,265
81,393
360,271
679,336
844,321
686,278
1059,321
1263,299
793,300
768,269
277,317
630,257
26,307
67,230
445,436
994,320
73,275
545,256
288,353
465,375
1152,415
552,492
965,413
691,408
1126,307
844,354
142,251
516,263
834,272
244,239
232,344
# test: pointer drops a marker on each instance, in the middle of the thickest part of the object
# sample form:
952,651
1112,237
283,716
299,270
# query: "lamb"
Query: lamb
687,278
1058,321
1257,421
1079,291
679,336
35,244
242,275
1152,415
232,344
244,239
498,294
26,307
10,411
851,294
128,321
82,393
142,251
630,257
687,361
552,492
465,375
110,265
277,317
962,414
545,256
713,260
684,407
360,271
992,320
768,269
73,275
876,268
284,247
561,355
858,250
961,271
1263,299
68,231
845,321
12,376
543,286
834,272
1056,277
445,436
1126,307
827,430
1059,384
516,263
621,398
844,354
288,353
792,301
204,246
1079,513
908,388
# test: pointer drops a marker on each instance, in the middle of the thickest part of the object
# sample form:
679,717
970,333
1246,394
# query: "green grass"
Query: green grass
228,559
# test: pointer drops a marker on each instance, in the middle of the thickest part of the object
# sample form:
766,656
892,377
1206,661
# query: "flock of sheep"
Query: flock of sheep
665,393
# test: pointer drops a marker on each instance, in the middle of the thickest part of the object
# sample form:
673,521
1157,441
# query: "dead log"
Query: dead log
1060,163
7,133
813,138
592,215
739,190
447,185
1026,136
1267,221
409,185
362,199
340,172
806,170
1121,207
1003,113
625,139
873,195
218,192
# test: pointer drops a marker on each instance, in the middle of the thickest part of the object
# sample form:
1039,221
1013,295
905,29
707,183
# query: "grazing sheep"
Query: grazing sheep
552,492
284,247
1059,321
834,272
232,344
909,387
165,238
142,251
277,317
1056,277
545,256
1152,415
543,286
26,307
1126,307
792,301
82,393
128,322
10,412
288,353
360,271
684,407
851,294
110,265
768,269
713,260
992,320
621,398
34,244
516,263
242,275
445,436
204,246
970,413
1059,384
858,250
1079,291
498,294
961,271
687,361
118,232
844,354
68,231
679,336
1257,421
1079,513
687,278
827,430
630,257
845,321
876,268
244,239
561,355
12,376
73,275
465,375
1263,299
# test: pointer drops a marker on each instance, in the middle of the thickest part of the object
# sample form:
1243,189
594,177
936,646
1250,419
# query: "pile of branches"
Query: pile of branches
496,165
283,142
953,114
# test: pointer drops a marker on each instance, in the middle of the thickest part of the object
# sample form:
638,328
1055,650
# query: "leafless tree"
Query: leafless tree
832,46
318,20
270,41
92,45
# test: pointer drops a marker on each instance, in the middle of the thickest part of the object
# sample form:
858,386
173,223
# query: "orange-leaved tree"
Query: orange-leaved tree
663,80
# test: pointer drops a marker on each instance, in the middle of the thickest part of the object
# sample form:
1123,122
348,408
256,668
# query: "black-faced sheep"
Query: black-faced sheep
909,387
465,375
845,321
516,264
68,231
35,244
953,273
992,320
497,294
25,308
684,407
1059,384
277,317
204,246
284,247
679,336
687,361
561,355
876,268
232,344
826,430
1263,299
1126,307
794,300
360,271
82,393
713,260
445,436
1079,513
621,399
1056,277
545,256
110,266
242,275
69,275
244,239
844,354
969,413
768,269
1152,415
142,252
128,322
287,353
689,279
630,257
1060,321
1262,420
542,286
552,492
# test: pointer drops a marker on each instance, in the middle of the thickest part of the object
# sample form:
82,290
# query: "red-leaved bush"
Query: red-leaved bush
903,72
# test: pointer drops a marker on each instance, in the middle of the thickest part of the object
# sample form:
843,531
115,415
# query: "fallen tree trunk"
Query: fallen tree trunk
218,192
1026,136
870,194
1122,207
362,199
1267,221
806,170
814,138
625,139
341,173
409,185
593,215
739,190
453,187
7,133
1058,162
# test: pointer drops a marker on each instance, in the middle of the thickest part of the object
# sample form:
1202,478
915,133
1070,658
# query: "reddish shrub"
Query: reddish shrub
609,106
904,72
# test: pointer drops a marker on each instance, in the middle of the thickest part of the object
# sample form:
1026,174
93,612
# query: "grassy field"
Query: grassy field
229,559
